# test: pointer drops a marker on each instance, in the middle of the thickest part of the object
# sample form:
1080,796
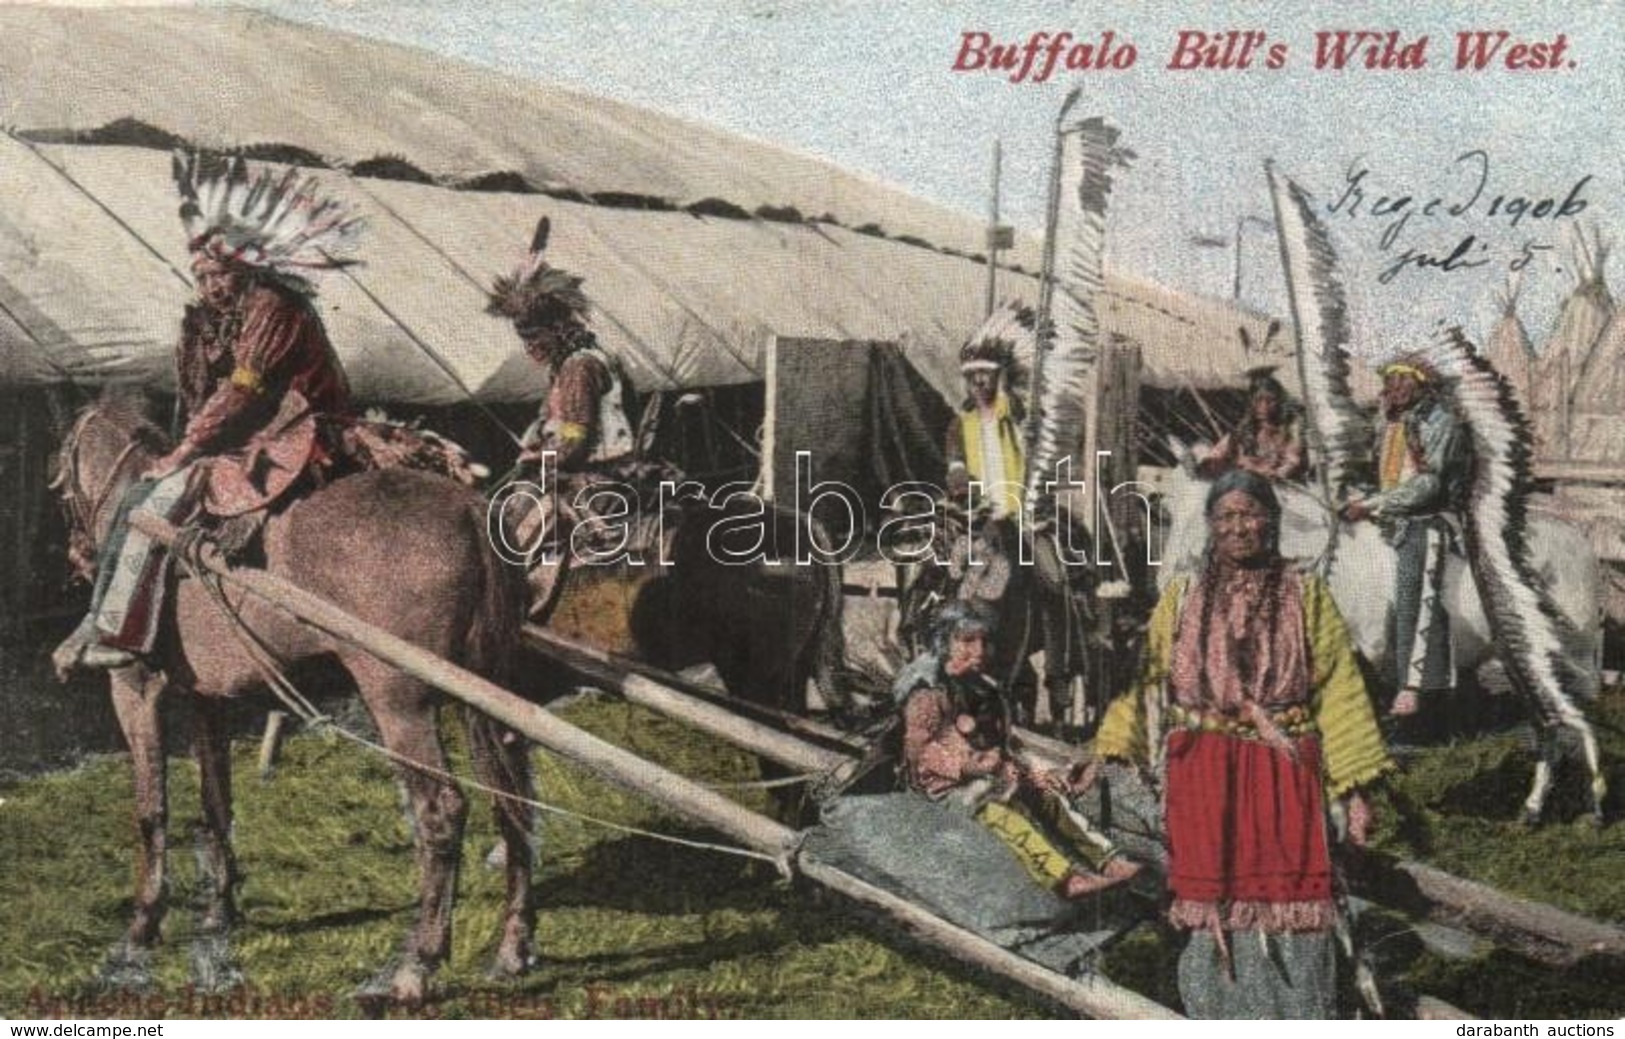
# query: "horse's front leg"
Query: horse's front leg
136,694
212,966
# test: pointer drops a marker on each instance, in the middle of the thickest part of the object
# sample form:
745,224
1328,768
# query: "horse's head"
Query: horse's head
1184,505
111,441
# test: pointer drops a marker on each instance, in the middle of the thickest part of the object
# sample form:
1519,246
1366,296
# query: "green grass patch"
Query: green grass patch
634,927
629,926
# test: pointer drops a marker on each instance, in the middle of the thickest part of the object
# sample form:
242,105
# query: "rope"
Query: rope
765,784
188,549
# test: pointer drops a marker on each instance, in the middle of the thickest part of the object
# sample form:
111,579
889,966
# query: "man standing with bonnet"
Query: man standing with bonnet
1422,467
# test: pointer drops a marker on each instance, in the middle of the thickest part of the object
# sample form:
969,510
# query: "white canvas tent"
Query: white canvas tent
93,252
684,300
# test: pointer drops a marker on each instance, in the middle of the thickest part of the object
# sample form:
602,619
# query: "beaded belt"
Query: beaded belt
1291,721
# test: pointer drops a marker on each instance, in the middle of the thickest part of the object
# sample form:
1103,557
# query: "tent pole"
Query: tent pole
993,235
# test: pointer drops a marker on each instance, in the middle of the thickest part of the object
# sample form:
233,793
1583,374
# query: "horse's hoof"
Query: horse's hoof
1531,819
213,969
403,982
508,965
1598,821
127,968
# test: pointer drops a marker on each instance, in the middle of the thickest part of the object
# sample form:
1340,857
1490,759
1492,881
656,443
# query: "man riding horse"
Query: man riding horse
582,440
385,529
1268,441
1423,465
256,376
986,450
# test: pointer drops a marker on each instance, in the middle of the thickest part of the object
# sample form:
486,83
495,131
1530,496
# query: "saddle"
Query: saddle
554,535
300,450
264,469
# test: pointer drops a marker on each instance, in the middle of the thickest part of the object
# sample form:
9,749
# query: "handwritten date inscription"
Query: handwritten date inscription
1474,198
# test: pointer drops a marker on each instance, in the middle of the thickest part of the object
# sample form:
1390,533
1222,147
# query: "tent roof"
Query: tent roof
233,79
94,247
92,258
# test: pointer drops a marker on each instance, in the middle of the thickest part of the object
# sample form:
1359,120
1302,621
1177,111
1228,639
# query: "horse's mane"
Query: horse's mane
129,407
124,406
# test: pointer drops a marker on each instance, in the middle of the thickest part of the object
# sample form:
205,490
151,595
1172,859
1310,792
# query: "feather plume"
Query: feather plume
1089,151
1337,430
537,290
1535,640
278,223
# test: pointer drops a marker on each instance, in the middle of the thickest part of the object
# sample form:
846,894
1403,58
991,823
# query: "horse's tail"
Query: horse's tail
490,648
829,645
491,640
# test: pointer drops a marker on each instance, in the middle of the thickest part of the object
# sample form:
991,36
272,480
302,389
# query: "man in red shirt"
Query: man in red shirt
254,372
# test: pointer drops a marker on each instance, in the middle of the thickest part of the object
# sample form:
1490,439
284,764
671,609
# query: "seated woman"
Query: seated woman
957,747
1267,442
1253,711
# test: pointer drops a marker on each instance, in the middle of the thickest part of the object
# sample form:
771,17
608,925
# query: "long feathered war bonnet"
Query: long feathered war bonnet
1010,329
276,224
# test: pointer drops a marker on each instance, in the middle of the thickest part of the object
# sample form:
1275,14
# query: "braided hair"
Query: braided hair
1275,568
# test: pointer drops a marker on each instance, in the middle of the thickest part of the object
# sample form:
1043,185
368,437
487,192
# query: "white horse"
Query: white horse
1363,574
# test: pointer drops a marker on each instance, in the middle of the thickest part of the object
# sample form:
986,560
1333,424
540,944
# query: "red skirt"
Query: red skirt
1246,823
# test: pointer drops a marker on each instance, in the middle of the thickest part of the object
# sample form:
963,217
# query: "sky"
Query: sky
872,87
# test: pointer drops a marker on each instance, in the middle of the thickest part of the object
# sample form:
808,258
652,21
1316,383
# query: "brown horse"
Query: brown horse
767,624
399,549
720,587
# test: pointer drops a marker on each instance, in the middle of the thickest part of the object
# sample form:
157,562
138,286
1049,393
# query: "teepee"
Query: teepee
1509,348
1580,322
1601,386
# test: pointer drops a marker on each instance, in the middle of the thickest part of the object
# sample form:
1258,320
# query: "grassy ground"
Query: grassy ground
631,927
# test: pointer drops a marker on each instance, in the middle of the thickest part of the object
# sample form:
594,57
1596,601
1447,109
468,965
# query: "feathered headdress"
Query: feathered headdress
272,223
537,292
994,344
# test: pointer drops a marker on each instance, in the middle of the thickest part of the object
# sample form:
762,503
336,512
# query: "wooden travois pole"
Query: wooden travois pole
602,669
618,766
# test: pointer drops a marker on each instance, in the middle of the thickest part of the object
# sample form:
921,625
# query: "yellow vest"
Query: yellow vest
1006,500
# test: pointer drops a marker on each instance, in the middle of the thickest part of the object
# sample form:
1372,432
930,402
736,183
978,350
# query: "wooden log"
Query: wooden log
271,742
1095,996
1090,995
606,669
1432,1008
1541,932
727,725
